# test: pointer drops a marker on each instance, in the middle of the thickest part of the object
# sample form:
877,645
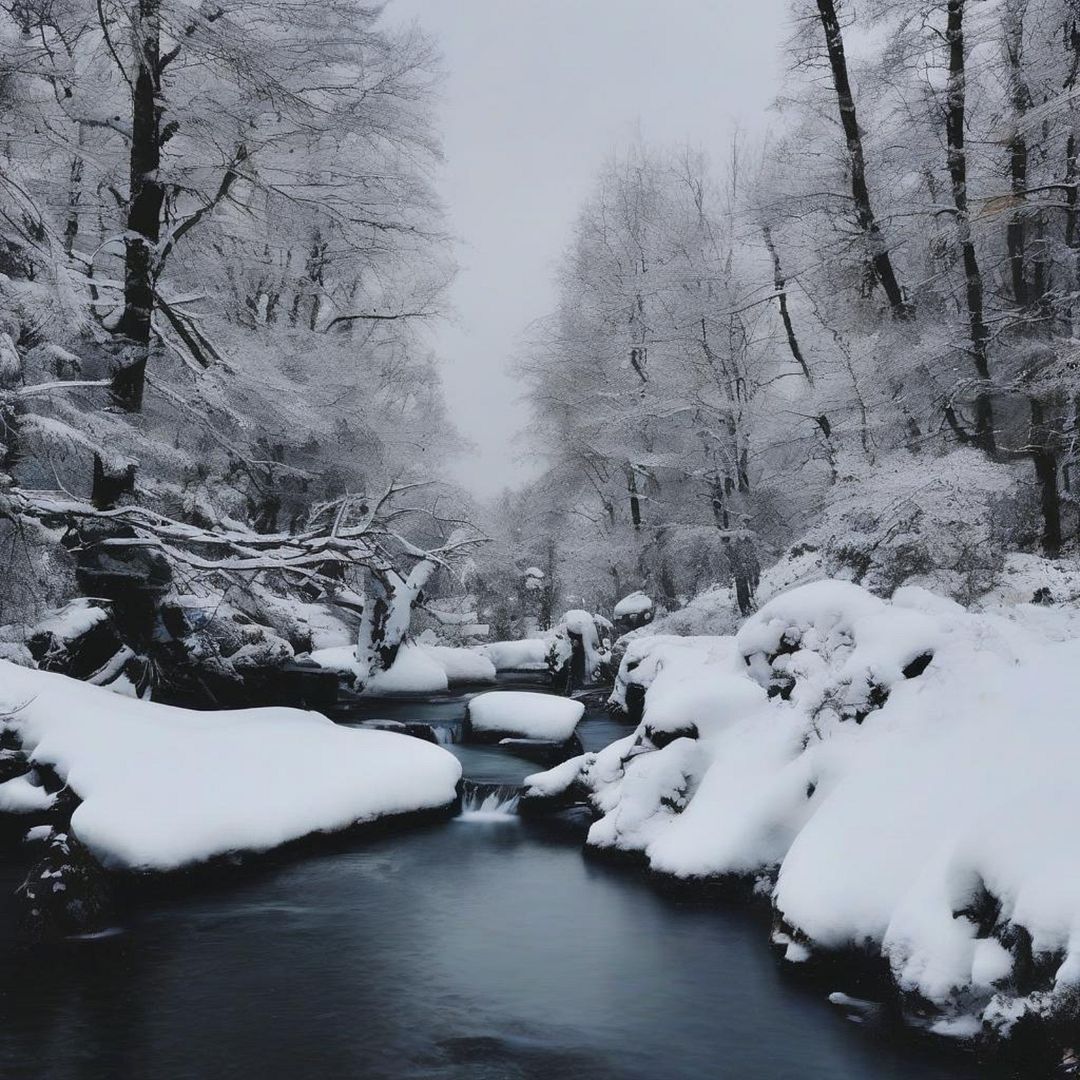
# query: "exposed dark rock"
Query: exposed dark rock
546,754
66,892
661,737
12,763
918,665
305,684
414,728
84,641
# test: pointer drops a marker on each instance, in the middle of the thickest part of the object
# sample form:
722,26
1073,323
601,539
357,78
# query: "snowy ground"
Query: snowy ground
162,787
899,776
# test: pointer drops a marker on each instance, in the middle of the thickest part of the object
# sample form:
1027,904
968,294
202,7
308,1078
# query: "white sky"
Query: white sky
538,93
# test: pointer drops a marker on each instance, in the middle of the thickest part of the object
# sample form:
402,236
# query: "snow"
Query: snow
163,787
529,654
413,671
417,669
337,658
882,766
73,621
637,603
463,665
526,715
20,796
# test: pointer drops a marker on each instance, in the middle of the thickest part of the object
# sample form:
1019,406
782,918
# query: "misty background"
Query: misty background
535,97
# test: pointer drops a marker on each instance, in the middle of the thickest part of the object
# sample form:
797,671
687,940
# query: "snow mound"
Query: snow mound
414,671
898,775
637,603
463,665
525,715
417,669
162,787
527,655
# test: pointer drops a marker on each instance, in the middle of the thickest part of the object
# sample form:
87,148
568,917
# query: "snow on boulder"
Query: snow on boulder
341,659
162,787
832,645
645,657
637,603
462,665
20,796
520,714
529,654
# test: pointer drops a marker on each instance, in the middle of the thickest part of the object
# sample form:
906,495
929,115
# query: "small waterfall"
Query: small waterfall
444,736
489,802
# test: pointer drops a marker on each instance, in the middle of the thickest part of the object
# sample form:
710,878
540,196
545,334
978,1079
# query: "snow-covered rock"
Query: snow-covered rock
635,604
417,668
529,654
517,713
899,776
463,665
162,787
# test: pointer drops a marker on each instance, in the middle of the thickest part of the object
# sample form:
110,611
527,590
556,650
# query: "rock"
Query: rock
217,654
12,763
414,728
82,640
546,754
303,683
66,892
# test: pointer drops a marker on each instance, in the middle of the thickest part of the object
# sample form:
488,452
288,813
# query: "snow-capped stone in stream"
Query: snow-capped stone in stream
912,776
162,787
520,714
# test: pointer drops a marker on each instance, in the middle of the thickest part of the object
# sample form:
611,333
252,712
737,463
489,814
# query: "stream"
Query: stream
487,948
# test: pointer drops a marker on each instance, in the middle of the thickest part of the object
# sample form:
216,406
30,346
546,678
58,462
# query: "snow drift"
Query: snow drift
162,787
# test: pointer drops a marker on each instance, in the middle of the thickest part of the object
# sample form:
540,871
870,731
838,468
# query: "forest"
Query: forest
795,551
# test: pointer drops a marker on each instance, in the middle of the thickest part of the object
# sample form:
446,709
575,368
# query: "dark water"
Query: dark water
468,951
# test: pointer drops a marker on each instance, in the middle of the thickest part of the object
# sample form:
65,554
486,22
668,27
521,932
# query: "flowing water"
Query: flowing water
483,949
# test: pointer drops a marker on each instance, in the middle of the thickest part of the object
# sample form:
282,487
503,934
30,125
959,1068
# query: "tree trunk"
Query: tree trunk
75,177
385,619
954,131
1045,459
1018,148
864,213
147,198
635,501
780,284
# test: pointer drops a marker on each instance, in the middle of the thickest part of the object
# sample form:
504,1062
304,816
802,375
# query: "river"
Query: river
483,949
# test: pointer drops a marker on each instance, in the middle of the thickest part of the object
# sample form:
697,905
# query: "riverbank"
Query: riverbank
485,947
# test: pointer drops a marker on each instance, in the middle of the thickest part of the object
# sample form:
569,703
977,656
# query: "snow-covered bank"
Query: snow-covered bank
162,787
898,776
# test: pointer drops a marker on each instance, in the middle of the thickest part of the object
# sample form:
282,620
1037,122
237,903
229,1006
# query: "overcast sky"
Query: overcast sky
538,93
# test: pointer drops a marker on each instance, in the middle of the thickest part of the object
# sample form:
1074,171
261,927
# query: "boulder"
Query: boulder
66,892
83,640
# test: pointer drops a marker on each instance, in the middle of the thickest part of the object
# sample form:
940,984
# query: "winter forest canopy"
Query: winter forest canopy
800,510
222,242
